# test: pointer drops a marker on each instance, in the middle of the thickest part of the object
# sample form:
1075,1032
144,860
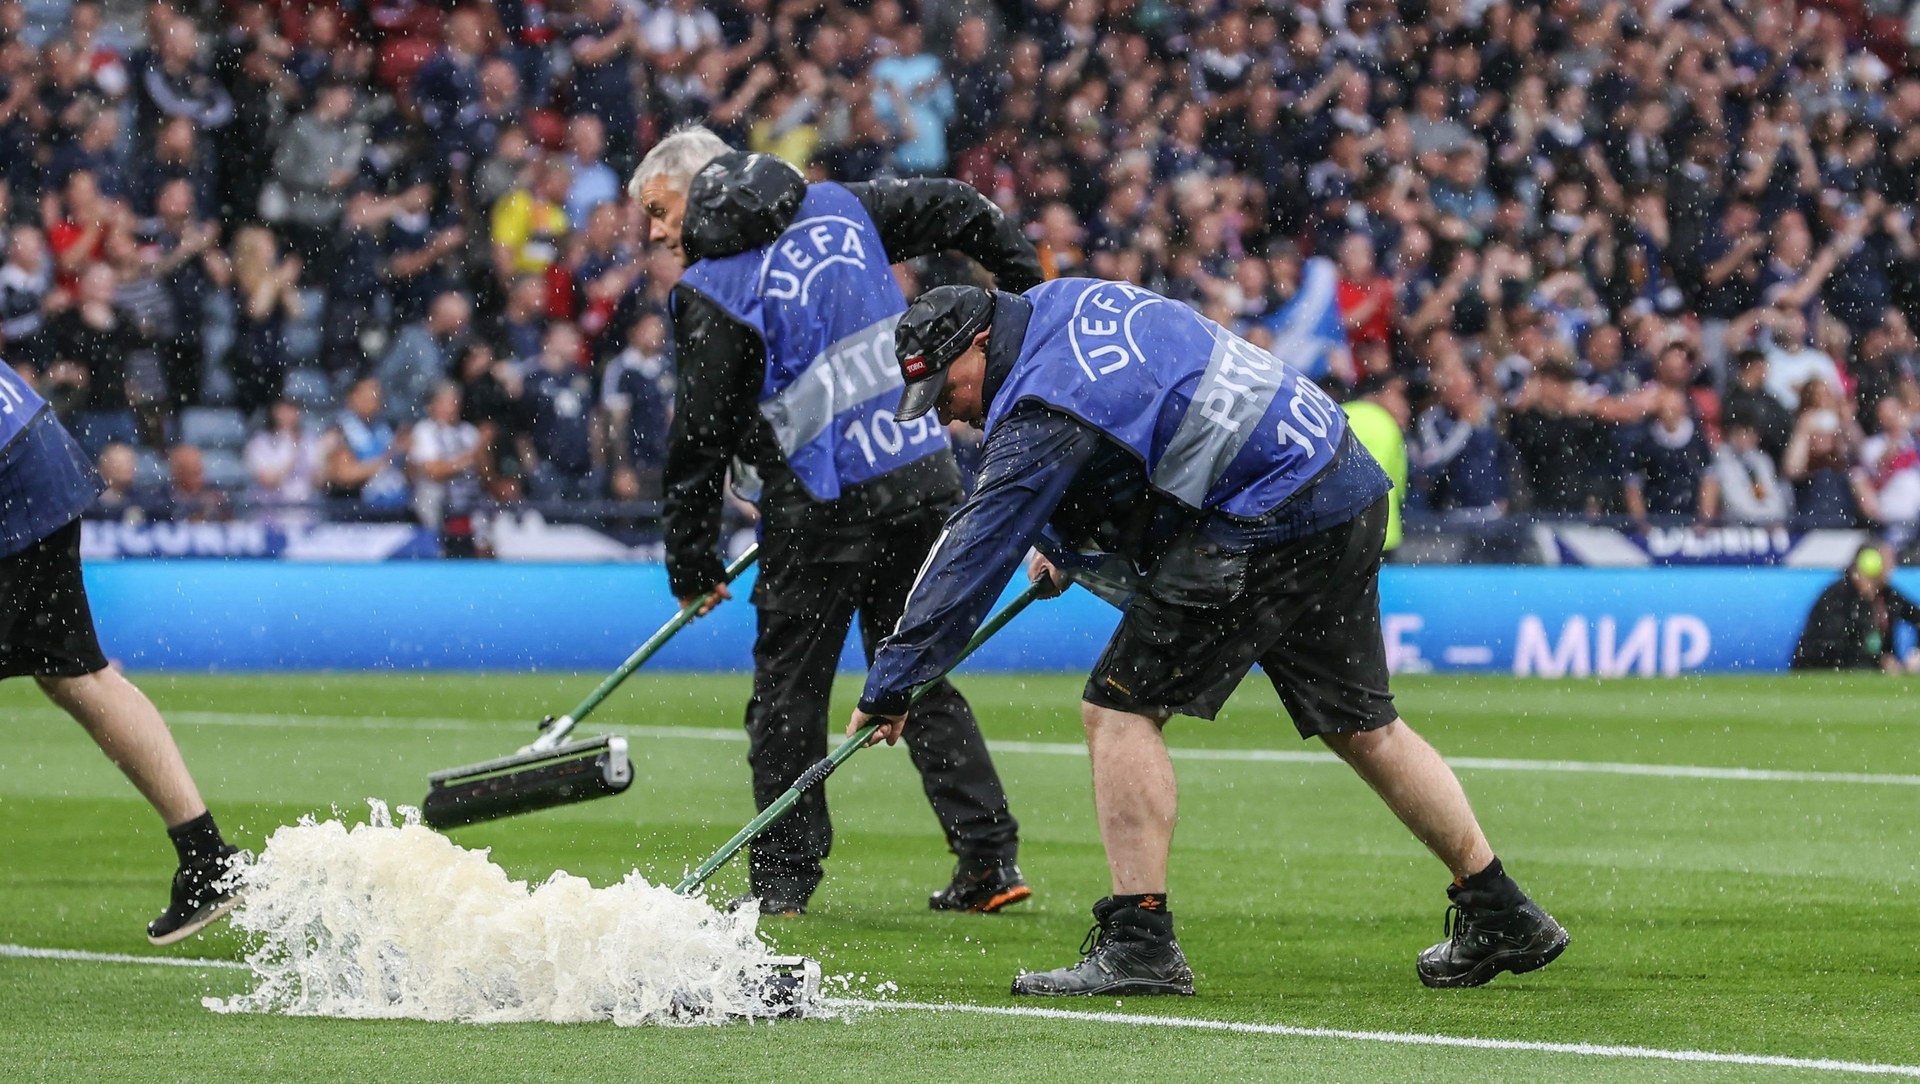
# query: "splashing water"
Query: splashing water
386,920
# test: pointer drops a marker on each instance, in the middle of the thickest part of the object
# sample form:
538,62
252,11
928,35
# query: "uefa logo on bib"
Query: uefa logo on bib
809,247
1101,329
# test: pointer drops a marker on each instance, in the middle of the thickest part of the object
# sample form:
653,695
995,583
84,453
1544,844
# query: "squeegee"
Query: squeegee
818,772
552,771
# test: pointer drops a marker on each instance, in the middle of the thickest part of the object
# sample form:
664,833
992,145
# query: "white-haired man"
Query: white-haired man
783,340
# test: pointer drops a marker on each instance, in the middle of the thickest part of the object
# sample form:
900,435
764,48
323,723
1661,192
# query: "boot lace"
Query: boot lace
1090,944
1454,925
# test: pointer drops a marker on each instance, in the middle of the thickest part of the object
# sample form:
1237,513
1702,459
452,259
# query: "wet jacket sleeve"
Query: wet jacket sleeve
921,217
1029,462
718,363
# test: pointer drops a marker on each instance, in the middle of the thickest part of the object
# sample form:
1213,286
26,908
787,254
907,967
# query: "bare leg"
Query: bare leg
1421,790
128,728
1133,795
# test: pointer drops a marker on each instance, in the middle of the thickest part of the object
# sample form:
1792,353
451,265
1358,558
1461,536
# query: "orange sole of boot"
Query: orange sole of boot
1005,899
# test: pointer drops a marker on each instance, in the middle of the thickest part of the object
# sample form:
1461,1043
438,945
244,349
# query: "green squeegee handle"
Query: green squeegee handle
824,767
654,643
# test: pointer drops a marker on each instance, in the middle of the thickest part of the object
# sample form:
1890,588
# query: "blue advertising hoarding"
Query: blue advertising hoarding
278,615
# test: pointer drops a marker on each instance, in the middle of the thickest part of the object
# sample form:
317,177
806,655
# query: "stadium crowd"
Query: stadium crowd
1654,259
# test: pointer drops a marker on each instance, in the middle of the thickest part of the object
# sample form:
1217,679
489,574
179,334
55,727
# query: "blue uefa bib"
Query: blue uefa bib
1219,423
19,403
824,302
45,479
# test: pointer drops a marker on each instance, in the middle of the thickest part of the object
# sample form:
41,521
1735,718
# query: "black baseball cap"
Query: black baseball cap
937,328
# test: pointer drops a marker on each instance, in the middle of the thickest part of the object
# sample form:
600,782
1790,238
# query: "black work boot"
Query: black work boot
1491,927
981,887
1130,950
204,890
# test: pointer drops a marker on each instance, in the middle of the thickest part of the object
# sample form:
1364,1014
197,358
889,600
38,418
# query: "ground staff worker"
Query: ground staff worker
783,336
46,633
1127,424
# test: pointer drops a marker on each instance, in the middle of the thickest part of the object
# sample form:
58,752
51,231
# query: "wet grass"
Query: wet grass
1752,916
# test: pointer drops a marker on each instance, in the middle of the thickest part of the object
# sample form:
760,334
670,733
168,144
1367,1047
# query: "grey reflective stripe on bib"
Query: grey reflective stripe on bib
850,372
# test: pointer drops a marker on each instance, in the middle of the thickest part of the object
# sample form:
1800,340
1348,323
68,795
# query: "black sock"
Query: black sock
1150,913
1494,884
196,839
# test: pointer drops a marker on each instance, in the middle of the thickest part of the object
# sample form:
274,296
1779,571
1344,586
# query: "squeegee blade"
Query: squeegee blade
509,786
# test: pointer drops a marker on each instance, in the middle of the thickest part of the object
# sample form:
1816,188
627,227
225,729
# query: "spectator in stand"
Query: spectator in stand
521,327
529,225
677,29
364,455
148,305
189,498
1563,450
25,281
421,357
593,182
266,295
1730,263
606,273
352,323
489,399
478,129
1792,357
1365,296
1058,242
122,501
1819,457
637,396
97,151
1459,454
529,32
1886,484
448,84
421,251
980,81
89,345
1666,464
1749,487
559,453
176,157
177,83
316,160
602,43
193,268
1881,371
1749,397
789,129
1854,623
250,64
283,464
445,462
913,97
79,236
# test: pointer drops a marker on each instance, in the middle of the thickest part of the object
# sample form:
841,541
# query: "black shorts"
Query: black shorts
46,627
1308,612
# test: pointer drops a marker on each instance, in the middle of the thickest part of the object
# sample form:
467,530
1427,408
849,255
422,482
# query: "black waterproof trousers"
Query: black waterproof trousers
807,596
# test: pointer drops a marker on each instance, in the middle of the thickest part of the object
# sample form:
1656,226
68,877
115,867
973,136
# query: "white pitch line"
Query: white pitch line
1397,1038
1246,756
28,952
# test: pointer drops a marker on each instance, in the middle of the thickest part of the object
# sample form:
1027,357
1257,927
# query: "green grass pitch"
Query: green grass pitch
1764,915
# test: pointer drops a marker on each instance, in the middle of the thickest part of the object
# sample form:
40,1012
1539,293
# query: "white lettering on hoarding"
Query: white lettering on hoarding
1597,648
1403,656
